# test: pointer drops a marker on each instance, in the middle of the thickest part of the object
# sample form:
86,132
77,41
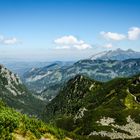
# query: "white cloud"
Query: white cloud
112,36
67,42
8,41
108,45
134,33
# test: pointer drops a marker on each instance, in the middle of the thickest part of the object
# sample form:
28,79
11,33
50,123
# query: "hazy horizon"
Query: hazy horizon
53,59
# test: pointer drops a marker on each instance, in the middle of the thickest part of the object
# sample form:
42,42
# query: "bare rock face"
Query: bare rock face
131,129
10,81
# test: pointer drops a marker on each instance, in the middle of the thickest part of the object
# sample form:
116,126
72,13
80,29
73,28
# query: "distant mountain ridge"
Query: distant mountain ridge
20,66
117,54
43,80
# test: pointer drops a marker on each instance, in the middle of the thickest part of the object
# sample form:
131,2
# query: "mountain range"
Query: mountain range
47,81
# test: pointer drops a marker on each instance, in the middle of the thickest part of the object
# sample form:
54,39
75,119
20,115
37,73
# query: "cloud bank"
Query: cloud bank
113,36
70,41
133,34
8,41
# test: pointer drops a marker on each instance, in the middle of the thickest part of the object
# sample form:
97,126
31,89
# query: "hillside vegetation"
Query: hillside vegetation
90,108
15,126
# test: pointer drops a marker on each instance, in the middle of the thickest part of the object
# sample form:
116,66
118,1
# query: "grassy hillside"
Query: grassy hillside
15,126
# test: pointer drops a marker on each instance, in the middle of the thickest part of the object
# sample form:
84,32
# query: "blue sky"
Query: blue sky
67,29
